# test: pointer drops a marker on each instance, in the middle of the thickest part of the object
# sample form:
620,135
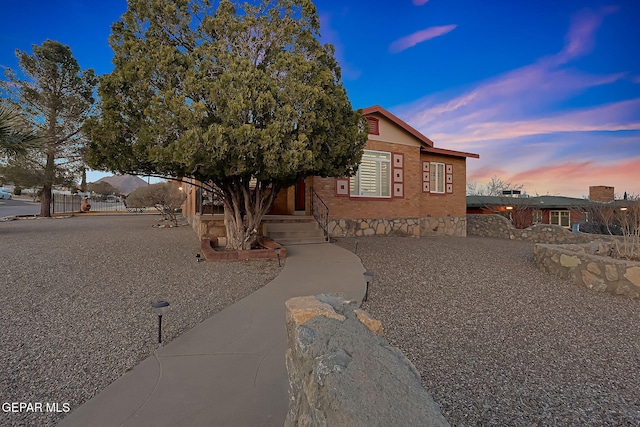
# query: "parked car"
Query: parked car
597,228
5,194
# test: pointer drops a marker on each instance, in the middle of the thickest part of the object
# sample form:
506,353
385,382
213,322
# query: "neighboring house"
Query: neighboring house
557,210
404,186
526,211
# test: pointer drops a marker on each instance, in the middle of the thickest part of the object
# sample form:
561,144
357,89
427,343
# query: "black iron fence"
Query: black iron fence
67,203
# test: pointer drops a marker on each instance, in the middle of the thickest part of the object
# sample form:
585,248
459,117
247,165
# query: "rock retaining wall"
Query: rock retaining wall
430,226
500,227
342,372
590,265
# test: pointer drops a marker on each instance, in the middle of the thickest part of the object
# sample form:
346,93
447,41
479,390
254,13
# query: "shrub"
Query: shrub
165,197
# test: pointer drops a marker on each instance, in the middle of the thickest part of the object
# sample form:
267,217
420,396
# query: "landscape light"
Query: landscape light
159,308
278,249
368,277
623,209
198,257
509,208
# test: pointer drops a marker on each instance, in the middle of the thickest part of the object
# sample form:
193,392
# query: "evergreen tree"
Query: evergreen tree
57,97
241,96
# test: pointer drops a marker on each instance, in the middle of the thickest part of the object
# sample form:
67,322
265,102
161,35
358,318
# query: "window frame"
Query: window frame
357,178
435,181
561,214
536,216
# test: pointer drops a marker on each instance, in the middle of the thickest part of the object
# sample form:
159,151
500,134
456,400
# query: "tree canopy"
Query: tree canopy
241,96
56,96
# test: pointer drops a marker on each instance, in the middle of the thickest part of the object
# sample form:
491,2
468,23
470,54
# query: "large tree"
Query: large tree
240,96
57,97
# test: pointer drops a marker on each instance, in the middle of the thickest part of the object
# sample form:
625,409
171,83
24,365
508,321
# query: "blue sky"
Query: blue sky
547,92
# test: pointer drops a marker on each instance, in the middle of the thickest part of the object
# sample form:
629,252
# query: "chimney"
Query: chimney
601,193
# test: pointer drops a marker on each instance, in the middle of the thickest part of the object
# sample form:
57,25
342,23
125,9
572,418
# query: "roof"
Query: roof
540,202
427,144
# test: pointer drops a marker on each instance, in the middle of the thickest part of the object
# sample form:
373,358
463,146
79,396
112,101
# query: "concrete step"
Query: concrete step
297,231
292,226
302,241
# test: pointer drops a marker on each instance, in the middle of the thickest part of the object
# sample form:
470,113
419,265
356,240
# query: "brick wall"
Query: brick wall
414,204
448,204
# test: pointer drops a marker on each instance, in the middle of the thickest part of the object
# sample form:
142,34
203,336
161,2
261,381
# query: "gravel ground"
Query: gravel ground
75,302
500,343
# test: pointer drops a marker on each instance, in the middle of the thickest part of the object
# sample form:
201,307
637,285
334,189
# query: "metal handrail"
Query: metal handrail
320,212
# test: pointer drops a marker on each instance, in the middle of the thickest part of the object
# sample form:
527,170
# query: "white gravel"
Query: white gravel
75,303
499,343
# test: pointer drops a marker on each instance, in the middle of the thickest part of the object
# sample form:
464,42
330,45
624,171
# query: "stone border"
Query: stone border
500,227
207,249
591,266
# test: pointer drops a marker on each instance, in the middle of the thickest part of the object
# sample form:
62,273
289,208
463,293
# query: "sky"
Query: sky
547,92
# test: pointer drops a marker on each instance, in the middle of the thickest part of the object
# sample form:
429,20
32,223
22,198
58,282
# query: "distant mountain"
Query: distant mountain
125,183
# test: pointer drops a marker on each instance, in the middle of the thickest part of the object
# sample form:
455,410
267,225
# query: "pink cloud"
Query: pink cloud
570,179
574,178
419,37
509,106
513,122
616,116
580,38
419,2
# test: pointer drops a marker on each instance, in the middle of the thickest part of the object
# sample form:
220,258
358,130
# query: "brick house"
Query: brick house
404,186
556,210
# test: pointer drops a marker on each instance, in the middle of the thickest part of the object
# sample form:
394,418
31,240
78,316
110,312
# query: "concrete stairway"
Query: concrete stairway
292,230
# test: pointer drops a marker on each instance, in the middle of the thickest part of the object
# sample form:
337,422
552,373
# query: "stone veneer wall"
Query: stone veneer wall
500,227
342,372
430,226
589,265
207,226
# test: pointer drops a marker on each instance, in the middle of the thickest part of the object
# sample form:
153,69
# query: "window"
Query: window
437,177
373,178
560,218
537,216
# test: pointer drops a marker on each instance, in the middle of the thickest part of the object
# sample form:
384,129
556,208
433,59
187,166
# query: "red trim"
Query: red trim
446,152
379,110
427,143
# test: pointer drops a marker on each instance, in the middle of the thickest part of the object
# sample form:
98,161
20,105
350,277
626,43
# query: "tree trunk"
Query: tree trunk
83,183
49,174
45,201
243,213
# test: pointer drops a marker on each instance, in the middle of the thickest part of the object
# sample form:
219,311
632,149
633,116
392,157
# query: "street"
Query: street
18,207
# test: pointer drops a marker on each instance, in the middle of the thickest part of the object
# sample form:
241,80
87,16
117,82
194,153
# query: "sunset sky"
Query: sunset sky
547,92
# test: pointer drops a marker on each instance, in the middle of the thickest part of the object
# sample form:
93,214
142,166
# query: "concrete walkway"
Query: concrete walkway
229,370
